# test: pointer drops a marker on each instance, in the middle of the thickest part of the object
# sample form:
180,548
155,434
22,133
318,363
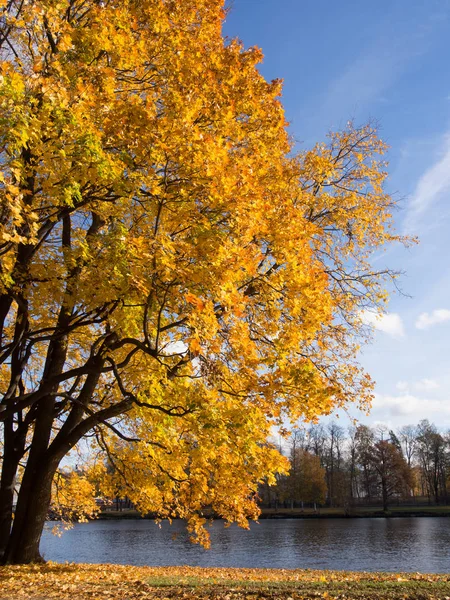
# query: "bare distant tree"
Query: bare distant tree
408,439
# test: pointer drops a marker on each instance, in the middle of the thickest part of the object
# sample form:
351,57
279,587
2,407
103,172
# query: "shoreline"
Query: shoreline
397,512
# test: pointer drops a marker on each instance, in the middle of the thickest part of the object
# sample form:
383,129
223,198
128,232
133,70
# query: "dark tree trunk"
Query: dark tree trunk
14,444
9,471
385,496
436,490
23,546
32,497
5,305
6,503
36,486
19,538
35,492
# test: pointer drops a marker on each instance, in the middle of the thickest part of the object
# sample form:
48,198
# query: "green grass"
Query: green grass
358,590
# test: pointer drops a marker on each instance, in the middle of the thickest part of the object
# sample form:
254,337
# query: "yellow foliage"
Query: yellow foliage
174,280
73,498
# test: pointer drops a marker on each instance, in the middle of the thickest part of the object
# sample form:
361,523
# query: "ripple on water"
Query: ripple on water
371,544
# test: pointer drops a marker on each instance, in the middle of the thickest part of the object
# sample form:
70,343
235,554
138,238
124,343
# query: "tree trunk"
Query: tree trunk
385,496
14,444
9,471
436,491
35,491
5,305
23,546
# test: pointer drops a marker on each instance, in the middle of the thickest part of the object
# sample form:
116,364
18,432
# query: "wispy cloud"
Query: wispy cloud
423,385
391,49
390,323
430,187
364,81
397,410
427,320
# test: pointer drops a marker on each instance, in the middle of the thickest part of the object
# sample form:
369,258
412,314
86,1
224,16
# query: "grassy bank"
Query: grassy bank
297,513
370,511
112,582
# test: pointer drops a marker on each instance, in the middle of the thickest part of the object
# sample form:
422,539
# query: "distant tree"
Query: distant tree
307,483
364,441
332,460
317,438
299,438
393,438
298,441
394,477
408,435
432,454
352,464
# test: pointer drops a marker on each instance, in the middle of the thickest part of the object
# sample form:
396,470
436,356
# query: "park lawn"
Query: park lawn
114,582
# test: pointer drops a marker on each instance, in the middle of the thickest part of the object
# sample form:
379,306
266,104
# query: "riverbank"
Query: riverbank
114,582
322,513
357,513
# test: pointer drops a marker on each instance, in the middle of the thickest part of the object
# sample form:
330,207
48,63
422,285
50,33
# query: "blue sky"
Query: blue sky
387,60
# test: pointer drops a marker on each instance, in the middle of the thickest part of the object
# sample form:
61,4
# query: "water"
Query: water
404,544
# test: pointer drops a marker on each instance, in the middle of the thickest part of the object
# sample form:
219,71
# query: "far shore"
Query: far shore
309,513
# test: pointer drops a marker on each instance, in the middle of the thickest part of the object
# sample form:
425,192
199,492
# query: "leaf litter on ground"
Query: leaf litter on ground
120,582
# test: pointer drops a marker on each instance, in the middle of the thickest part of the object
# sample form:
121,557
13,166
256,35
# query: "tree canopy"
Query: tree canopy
175,280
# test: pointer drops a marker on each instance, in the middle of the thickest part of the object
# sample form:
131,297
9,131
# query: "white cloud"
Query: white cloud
178,347
423,385
390,323
426,385
410,408
430,187
402,386
427,320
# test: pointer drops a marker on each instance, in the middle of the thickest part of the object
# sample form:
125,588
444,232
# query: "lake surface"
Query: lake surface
371,544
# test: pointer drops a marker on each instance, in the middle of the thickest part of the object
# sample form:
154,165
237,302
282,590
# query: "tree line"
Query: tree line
362,465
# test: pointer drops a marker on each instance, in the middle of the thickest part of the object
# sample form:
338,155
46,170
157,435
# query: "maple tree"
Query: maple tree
174,280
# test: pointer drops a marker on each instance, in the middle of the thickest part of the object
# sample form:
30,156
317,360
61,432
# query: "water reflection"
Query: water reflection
404,544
